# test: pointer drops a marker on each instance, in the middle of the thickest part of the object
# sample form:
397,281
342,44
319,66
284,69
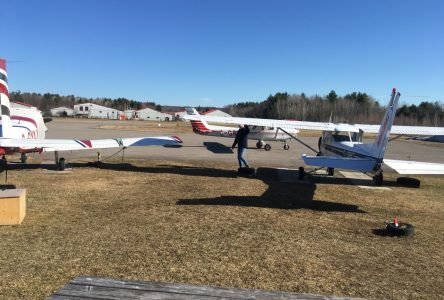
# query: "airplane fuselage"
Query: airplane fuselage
27,123
257,133
349,145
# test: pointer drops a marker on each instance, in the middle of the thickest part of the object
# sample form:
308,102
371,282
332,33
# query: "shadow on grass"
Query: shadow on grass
381,232
284,195
346,181
169,169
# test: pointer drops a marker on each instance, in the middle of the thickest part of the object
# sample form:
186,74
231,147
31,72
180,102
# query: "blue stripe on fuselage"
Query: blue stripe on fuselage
347,153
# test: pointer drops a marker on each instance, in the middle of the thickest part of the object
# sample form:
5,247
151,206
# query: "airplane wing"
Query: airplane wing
403,130
319,126
285,124
50,145
415,167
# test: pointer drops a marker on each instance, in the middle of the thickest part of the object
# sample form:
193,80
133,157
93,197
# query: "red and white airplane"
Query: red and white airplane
22,130
261,134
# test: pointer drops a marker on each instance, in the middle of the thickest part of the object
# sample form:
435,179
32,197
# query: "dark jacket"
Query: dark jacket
242,137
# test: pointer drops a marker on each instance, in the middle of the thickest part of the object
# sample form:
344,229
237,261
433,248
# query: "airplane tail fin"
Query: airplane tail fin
199,126
380,143
6,124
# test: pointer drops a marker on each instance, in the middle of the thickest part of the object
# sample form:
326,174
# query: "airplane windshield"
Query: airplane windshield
341,138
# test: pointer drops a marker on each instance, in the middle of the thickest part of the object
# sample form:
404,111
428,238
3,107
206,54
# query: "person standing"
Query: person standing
242,141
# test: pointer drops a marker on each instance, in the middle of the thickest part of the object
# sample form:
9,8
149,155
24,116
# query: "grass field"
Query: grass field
196,223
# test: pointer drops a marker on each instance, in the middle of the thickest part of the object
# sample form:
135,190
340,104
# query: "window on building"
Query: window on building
86,108
81,108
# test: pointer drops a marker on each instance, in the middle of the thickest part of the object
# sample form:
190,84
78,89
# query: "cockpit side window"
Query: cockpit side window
356,137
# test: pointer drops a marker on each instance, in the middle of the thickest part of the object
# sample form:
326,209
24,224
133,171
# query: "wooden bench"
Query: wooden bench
106,288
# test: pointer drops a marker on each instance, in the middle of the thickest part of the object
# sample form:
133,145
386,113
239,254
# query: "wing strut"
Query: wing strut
308,146
396,137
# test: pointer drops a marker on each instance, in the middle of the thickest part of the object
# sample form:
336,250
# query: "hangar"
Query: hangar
151,114
94,111
215,113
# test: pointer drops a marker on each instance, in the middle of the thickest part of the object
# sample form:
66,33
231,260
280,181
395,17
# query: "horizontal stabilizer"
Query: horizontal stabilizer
350,163
415,167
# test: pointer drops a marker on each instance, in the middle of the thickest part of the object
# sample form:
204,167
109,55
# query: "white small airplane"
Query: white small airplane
259,133
341,145
22,130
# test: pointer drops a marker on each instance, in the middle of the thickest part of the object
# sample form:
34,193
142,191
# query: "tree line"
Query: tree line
45,102
353,108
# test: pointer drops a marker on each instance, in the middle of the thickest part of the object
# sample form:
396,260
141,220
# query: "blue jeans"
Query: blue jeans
241,157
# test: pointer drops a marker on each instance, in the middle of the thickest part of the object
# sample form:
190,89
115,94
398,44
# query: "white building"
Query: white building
216,113
151,114
92,110
131,114
177,115
62,111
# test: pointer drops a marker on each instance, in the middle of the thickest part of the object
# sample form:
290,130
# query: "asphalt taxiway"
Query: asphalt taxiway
198,147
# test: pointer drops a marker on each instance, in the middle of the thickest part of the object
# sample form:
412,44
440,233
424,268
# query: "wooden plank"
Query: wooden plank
112,289
185,289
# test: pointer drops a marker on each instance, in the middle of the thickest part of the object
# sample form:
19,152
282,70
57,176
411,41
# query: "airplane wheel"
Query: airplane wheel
23,158
259,145
3,164
330,171
267,147
301,173
61,164
286,146
378,179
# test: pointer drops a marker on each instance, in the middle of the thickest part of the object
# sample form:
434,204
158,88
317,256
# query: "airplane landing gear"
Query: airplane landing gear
301,173
286,146
23,158
60,163
267,147
378,179
3,164
260,144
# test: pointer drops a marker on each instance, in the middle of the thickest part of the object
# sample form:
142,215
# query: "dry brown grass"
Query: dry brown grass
149,126
196,223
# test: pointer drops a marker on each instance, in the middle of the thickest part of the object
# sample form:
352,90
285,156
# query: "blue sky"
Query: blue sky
216,53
